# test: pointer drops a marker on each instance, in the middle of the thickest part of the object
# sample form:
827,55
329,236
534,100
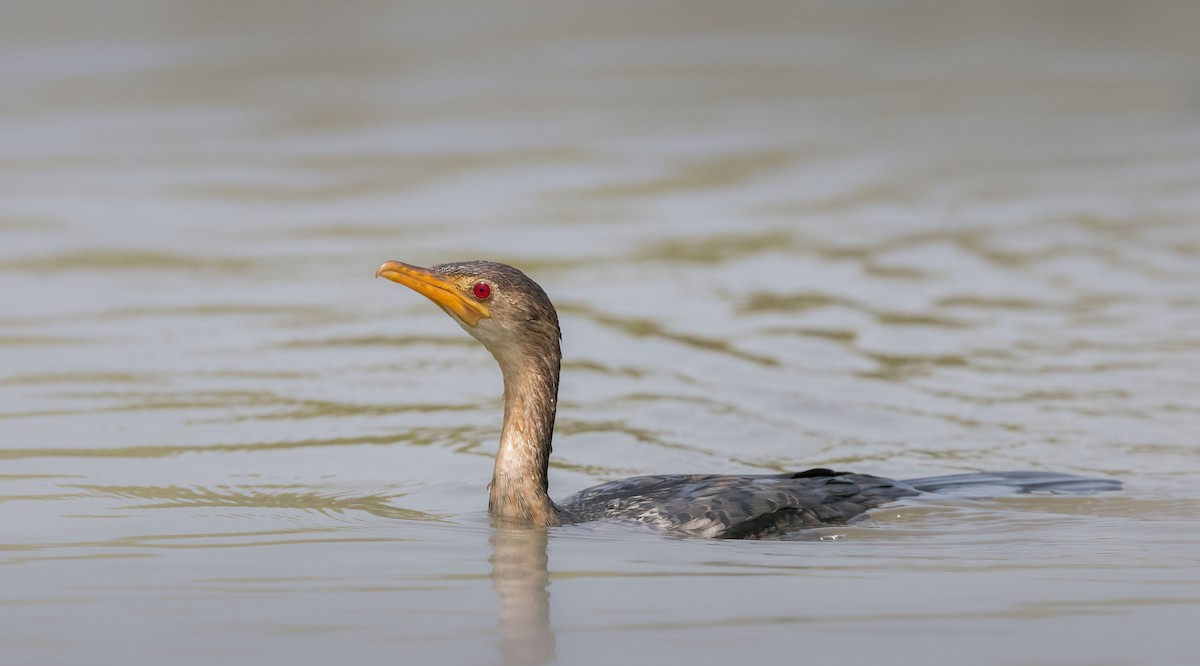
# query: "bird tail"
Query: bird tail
990,484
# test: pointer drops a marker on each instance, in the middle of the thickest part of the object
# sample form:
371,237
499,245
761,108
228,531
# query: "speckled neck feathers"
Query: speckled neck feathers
519,481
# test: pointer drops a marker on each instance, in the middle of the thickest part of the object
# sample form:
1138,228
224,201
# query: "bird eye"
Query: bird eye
482,290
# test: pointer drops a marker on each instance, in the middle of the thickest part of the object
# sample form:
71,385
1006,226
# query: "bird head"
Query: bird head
496,303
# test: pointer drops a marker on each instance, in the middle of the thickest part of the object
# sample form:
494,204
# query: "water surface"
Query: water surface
902,239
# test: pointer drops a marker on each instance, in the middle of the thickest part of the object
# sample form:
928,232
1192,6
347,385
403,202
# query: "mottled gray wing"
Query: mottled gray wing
735,506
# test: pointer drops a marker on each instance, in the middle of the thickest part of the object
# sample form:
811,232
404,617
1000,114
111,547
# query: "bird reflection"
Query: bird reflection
520,578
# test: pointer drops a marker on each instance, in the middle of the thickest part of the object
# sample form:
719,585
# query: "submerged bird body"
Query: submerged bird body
512,316
735,506
746,506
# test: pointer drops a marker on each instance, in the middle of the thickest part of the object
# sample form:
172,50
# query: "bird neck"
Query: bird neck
519,481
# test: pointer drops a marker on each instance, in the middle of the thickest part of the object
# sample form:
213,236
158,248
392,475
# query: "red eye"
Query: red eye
482,290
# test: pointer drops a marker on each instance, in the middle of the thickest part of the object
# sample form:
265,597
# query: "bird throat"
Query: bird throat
518,491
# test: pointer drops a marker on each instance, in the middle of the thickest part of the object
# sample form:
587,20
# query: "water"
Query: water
903,239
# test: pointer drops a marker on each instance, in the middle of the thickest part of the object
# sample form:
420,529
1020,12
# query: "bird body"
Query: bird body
735,505
514,319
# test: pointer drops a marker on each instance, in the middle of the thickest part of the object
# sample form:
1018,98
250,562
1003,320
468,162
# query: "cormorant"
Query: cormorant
512,316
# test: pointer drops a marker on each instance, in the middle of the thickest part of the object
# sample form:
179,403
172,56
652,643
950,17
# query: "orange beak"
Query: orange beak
445,294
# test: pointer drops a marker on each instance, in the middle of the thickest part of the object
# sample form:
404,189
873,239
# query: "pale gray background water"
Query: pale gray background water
898,238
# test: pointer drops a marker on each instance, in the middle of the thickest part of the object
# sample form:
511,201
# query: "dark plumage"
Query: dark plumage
747,506
512,316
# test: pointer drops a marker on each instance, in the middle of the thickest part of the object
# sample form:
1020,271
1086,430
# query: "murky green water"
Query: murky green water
905,239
